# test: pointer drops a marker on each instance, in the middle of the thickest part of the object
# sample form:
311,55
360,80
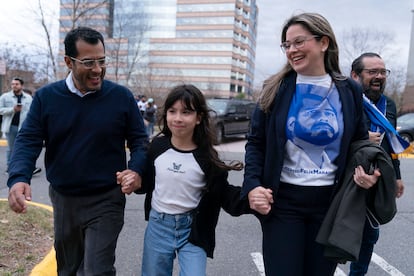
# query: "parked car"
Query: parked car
405,126
231,117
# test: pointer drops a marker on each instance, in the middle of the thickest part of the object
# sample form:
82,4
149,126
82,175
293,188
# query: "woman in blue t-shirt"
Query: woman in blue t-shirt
306,118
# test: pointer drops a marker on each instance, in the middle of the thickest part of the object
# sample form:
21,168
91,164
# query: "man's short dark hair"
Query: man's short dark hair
86,34
358,65
19,79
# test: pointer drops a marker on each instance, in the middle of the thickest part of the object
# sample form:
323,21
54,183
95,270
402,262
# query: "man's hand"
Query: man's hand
18,194
400,188
17,108
375,137
260,200
129,181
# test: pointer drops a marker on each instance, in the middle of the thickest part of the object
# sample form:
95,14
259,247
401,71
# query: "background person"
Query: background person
84,121
291,204
370,71
186,185
14,106
142,103
150,116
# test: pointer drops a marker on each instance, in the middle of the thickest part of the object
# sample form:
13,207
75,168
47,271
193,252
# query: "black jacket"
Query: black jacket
218,193
342,229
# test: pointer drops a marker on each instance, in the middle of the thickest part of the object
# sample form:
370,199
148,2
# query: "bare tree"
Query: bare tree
14,56
18,63
127,45
38,55
359,40
48,37
80,12
395,85
154,85
45,54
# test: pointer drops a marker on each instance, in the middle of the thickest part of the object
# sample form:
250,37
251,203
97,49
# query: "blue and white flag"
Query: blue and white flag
377,118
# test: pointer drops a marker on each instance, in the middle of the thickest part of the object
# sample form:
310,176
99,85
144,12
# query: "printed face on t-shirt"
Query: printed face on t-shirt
316,121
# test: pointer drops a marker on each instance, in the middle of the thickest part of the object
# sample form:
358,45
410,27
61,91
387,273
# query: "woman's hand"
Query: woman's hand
261,200
365,180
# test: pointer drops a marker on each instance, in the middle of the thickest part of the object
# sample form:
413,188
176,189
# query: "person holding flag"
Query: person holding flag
369,70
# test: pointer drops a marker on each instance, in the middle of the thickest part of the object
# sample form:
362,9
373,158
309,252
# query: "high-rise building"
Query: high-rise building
156,44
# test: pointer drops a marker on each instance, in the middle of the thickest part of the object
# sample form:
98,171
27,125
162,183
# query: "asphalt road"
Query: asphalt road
239,238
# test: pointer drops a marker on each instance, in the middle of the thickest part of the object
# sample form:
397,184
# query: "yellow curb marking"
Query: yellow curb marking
48,266
3,142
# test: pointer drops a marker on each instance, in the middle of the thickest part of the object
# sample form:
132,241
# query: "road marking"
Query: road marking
385,266
258,261
339,272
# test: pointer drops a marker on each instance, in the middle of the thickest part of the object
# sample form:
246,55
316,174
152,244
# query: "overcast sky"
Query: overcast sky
393,16
383,15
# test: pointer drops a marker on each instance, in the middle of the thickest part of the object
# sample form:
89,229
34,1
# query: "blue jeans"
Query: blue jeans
165,236
11,136
150,129
369,238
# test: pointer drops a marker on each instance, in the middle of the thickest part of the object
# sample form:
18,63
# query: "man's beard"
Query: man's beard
320,134
374,95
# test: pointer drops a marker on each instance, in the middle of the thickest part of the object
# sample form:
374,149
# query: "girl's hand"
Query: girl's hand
129,181
260,200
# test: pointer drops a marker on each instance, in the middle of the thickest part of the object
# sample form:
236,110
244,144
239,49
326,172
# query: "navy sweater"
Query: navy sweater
84,138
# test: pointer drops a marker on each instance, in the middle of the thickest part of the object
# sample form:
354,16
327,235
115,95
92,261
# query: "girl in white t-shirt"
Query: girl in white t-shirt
186,185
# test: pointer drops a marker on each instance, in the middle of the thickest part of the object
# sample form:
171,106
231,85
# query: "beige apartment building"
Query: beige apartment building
156,44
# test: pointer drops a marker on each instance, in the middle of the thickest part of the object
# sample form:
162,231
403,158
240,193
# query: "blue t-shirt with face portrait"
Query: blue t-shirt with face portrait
314,129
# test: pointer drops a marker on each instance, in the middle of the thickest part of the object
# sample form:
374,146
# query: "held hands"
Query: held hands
261,200
129,181
18,194
365,180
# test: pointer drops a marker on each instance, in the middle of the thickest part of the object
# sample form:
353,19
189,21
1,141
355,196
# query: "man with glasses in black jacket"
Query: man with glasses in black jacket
369,70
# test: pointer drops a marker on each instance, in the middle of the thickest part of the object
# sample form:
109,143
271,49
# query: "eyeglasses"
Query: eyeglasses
298,43
375,72
90,63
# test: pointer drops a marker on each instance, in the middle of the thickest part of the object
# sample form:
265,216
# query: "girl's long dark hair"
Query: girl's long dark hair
203,136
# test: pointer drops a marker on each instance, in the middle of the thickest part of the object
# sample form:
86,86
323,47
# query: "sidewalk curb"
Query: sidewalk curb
48,266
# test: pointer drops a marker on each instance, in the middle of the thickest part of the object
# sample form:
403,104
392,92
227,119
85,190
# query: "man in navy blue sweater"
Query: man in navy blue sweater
84,122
